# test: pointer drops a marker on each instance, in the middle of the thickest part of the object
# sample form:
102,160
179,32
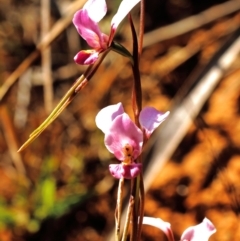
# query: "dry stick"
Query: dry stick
23,97
173,60
141,28
182,115
11,139
191,23
58,28
46,57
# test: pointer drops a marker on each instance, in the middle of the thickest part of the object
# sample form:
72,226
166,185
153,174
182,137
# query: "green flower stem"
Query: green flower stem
79,84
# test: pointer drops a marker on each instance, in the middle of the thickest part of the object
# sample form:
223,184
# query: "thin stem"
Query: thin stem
118,211
46,57
135,194
137,106
141,27
141,207
79,84
128,218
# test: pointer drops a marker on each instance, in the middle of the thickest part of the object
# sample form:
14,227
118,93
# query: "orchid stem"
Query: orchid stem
128,218
141,208
79,84
137,106
118,212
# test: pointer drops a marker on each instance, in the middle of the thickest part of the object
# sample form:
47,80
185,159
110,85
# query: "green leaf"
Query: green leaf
120,49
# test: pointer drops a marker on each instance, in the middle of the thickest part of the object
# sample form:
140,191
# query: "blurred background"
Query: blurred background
59,188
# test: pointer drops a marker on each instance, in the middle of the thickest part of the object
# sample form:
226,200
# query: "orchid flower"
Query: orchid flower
200,232
86,22
124,139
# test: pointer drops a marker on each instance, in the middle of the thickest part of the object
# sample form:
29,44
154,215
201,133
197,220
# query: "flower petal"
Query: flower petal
96,9
88,29
106,116
126,171
86,57
124,132
159,223
150,119
200,232
124,8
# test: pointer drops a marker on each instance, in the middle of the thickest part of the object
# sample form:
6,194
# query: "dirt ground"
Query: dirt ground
59,188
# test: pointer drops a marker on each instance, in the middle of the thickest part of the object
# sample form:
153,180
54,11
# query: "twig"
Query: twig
141,28
58,27
46,57
23,99
169,62
191,23
11,139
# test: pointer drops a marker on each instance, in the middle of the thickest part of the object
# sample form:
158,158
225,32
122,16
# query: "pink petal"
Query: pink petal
126,171
106,116
159,223
96,9
150,119
124,8
124,132
89,30
200,232
86,57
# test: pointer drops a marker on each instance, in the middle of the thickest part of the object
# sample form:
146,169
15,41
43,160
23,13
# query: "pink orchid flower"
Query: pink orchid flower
200,232
124,139
86,22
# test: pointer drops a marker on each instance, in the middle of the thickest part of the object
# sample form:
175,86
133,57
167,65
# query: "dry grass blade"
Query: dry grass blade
11,139
196,43
191,23
182,115
46,57
58,28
